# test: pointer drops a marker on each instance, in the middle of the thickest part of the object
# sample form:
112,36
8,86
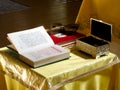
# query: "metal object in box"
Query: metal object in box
97,44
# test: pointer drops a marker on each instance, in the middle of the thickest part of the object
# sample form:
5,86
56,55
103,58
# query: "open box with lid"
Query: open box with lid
98,43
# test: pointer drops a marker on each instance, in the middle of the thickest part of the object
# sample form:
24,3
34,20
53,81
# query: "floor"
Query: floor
41,12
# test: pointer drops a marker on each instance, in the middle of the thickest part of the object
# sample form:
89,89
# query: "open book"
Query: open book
36,48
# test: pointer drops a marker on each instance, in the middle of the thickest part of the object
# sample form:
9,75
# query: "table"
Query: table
79,72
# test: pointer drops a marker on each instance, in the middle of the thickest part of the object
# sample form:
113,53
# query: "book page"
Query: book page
32,39
45,53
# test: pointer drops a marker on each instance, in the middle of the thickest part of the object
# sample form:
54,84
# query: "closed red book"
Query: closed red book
65,39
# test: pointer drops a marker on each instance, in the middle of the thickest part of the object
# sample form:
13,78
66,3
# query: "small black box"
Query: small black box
97,43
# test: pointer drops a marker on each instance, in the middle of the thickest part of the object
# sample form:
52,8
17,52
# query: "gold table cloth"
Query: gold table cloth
79,72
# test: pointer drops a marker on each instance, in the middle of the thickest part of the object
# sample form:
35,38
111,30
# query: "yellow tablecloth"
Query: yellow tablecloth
79,72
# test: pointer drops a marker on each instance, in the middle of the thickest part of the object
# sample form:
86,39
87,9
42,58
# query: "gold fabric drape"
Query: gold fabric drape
16,72
80,72
106,10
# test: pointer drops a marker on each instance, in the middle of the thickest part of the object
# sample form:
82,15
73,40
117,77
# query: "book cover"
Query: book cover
65,40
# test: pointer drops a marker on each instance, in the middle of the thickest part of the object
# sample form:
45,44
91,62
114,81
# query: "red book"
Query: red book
64,40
